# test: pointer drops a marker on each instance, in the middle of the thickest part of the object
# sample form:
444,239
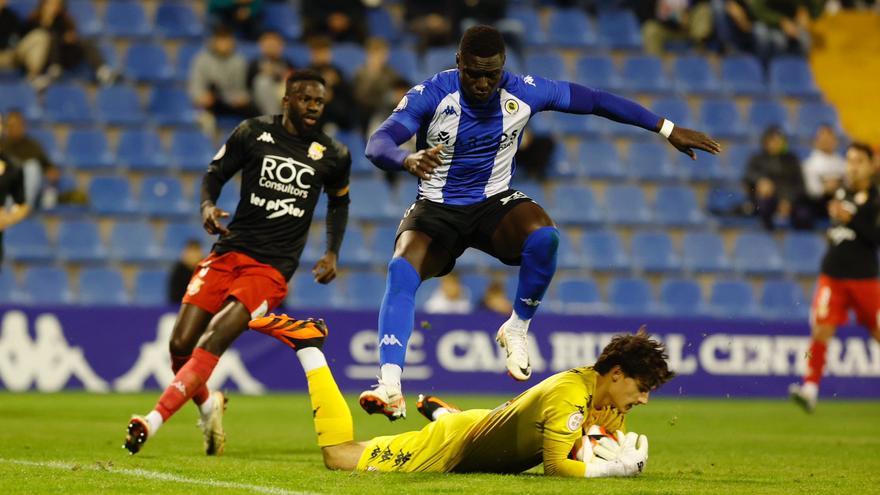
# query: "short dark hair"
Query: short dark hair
639,356
303,75
222,31
482,41
863,147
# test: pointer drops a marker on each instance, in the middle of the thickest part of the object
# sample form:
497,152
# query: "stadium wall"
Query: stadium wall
126,349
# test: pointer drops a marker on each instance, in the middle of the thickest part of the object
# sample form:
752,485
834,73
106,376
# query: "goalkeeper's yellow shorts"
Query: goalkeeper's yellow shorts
435,448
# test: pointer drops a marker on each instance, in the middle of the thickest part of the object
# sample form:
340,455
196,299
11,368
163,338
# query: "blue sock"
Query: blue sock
397,314
536,270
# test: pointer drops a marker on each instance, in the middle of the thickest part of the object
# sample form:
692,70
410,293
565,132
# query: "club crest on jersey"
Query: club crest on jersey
575,421
511,107
400,106
266,138
316,150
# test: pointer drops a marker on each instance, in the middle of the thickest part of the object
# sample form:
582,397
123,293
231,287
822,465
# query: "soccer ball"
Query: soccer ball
583,448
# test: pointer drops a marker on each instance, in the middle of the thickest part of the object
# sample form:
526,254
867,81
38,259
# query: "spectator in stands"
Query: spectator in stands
267,72
665,20
782,26
340,109
823,170
450,297
182,271
775,185
734,25
374,81
67,50
11,187
339,20
29,52
494,299
41,177
534,154
244,17
430,22
218,79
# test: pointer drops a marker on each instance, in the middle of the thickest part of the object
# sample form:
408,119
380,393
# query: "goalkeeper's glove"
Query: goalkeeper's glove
632,458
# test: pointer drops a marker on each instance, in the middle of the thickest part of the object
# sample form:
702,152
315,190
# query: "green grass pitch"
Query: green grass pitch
71,443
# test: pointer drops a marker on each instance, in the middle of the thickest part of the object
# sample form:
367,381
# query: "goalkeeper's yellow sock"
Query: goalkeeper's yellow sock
333,422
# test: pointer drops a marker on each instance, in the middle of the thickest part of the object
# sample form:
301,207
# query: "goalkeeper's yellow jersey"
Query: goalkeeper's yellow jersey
541,424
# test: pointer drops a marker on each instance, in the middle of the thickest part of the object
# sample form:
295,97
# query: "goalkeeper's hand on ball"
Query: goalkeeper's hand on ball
627,456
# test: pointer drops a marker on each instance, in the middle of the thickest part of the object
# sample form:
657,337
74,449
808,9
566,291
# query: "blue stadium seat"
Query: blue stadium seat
46,138
598,159
381,23
28,241
150,287
186,53
676,206
575,204
764,113
737,157
307,294
571,124
704,252
784,299
438,59
178,233
548,64
348,57
111,195
619,29
46,285
87,22
630,296
674,109
229,196
191,150
626,205
80,242
811,114
382,244
20,96
802,252
177,20
134,242
530,20
356,145
649,161
756,254
732,299
476,285
101,287
371,200
570,28
9,292
602,250
171,106
742,75
706,167
364,290
597,71
645,74
653,252
681,297
577,296
792,76
163,197
727,200
533,190
147,63
568,253
126,19
694,75
140,149
282,17
119,105
404,60
355,252
87,150
67,103
721,119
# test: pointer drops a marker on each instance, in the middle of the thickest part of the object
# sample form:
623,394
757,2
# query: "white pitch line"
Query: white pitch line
153,475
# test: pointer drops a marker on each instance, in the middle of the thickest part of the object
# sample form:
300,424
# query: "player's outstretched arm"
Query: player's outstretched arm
687,140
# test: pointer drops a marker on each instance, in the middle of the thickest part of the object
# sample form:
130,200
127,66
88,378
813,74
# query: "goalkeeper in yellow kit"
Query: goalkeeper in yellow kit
541,425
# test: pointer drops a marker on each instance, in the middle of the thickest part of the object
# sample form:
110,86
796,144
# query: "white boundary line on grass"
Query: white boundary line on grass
153,475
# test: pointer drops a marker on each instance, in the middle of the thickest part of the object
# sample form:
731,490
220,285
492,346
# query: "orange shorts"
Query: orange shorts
834,298
218,277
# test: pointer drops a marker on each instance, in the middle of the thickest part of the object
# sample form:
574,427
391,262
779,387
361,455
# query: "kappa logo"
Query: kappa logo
531,302
449,110
419,88
400,106
390,340
179,386
266,138
529,80
515,195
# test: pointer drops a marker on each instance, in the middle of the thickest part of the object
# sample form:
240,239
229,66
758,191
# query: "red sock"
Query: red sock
187,382
202,393
815,361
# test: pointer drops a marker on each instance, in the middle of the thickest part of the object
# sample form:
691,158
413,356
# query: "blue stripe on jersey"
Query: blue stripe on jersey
476,145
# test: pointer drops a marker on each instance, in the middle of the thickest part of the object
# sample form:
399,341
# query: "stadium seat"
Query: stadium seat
674,109
653,252
649,161
630,296
229,196
134,242
810,115
681,297
694,75
111,195
404,60
178,233
9,292
147,63
726,201
381,23
20,96
163,197
572,124
28,241
676,206
87,22
22,8
597,159
577,296
619,29
79,242
705,168
602,250
371,200
348,57
784,299
306,294
644,74
151,287
756,254
575,204
46,138
802,253
67,103
355,252
284,18
721,119
548,64
438,59
171,106
597,71
364,290
186,54
570,28
177,20
101,287
87,150
45,285
126,19
732,299
355,143
737,157
140,149
704,252
792,76
528,17
742,75
476,285
191,150
568,252
119,105
766,113
625,205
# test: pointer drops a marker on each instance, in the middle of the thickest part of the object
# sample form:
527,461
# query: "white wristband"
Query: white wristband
666,128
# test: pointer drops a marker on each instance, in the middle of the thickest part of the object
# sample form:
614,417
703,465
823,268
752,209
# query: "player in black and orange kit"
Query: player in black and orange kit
285,161
849,269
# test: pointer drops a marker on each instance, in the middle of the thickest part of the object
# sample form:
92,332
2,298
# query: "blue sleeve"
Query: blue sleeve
382,148
584,100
